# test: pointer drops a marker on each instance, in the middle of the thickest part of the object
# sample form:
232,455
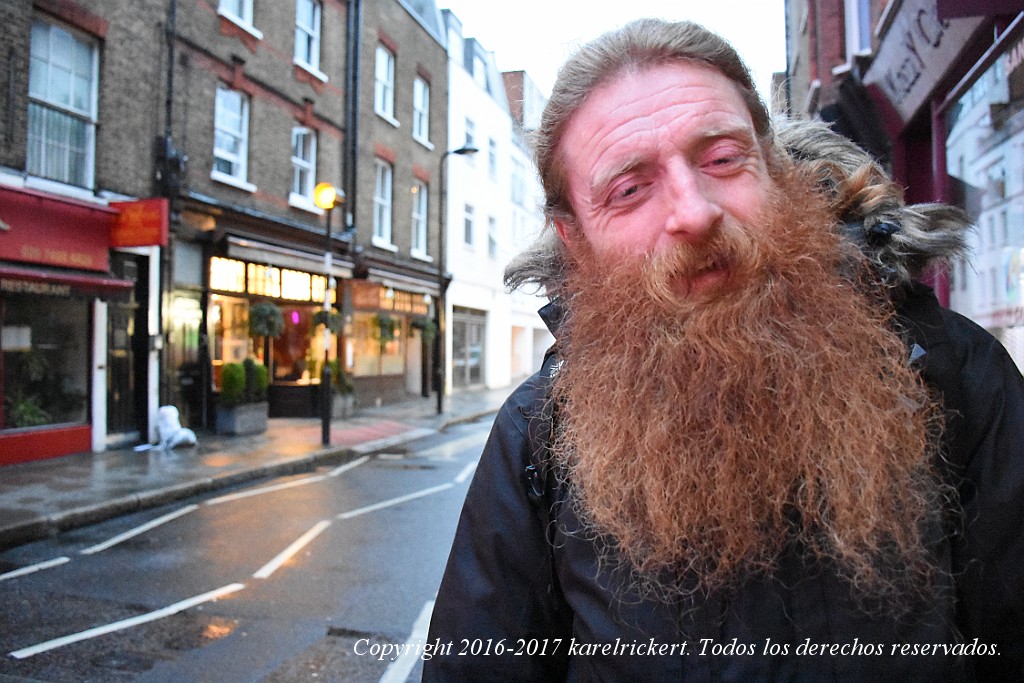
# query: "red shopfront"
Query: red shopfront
55,288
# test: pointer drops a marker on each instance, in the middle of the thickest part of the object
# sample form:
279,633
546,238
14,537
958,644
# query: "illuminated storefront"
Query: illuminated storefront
387,347
294,357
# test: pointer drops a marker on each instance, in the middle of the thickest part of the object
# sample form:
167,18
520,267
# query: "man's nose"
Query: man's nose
693,212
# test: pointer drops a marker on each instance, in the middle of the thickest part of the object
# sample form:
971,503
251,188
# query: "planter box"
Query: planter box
248,418
342,406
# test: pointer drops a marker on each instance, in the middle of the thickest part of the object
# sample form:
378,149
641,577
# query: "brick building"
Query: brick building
78,255
223,115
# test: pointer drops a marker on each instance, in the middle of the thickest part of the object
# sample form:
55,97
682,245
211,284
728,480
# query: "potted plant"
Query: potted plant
333,320
426,326
386,326
243,407
266,322
343,398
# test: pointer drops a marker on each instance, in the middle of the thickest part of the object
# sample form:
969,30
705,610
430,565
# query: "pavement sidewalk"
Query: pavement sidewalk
44,497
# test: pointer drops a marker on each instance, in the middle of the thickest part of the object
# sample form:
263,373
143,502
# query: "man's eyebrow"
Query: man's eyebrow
603,179
741,133
744,134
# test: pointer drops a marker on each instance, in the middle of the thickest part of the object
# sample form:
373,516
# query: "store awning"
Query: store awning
60,282
403,282
254,251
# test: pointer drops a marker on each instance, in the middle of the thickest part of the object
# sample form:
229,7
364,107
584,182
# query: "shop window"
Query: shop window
62,85
377,345
298,352
228,319
45,360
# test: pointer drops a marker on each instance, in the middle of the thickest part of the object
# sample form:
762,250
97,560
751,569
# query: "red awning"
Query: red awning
59,281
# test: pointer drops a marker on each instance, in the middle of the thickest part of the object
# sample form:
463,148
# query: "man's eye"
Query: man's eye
629,191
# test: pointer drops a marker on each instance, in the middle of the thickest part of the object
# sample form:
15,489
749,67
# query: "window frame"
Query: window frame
469,228
239,178
421,111
303,198
492,237
384,90
243,19
419,219
492,159
87,116
383,195
312,34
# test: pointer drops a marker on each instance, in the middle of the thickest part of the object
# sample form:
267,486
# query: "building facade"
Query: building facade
157,175
81,228
402,131
493,213
932,88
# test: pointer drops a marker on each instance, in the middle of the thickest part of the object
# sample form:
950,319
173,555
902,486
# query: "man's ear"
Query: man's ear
567,232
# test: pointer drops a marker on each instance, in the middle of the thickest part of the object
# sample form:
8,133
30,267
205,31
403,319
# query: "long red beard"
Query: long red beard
702,435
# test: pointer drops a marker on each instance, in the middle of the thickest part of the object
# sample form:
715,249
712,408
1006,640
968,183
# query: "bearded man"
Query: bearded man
759,450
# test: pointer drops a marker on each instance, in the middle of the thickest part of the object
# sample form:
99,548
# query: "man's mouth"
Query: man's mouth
706,278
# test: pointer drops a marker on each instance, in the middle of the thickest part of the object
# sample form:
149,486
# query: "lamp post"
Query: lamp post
325,196
439,338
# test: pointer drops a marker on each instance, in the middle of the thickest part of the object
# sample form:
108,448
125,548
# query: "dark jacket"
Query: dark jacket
523,598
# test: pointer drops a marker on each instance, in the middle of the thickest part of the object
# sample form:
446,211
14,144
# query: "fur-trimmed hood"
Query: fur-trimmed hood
902,241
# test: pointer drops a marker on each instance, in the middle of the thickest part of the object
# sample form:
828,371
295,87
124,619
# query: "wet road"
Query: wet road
321,576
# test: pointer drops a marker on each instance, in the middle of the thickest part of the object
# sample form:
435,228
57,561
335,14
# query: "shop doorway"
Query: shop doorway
187,384
121,385
468,327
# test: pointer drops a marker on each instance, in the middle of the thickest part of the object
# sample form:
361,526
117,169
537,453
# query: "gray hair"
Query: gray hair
901,241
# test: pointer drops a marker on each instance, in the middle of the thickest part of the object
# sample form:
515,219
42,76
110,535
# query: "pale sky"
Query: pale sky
537,35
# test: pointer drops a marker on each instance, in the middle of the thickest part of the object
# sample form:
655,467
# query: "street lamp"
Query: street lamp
439,338
325,196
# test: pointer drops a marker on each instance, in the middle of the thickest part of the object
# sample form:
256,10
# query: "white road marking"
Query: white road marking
56,562
398,671
466,472
139,530
286,554
386,441
447,450
394,501
127,623
341,469
266,489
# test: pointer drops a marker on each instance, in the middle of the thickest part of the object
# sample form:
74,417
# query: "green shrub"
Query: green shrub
244,382
232,384
340,379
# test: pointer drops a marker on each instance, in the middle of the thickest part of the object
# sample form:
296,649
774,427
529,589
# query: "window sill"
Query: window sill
421,256
426,143
303,203
64,189
232,181
311,70
381,244
242,24
387,117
